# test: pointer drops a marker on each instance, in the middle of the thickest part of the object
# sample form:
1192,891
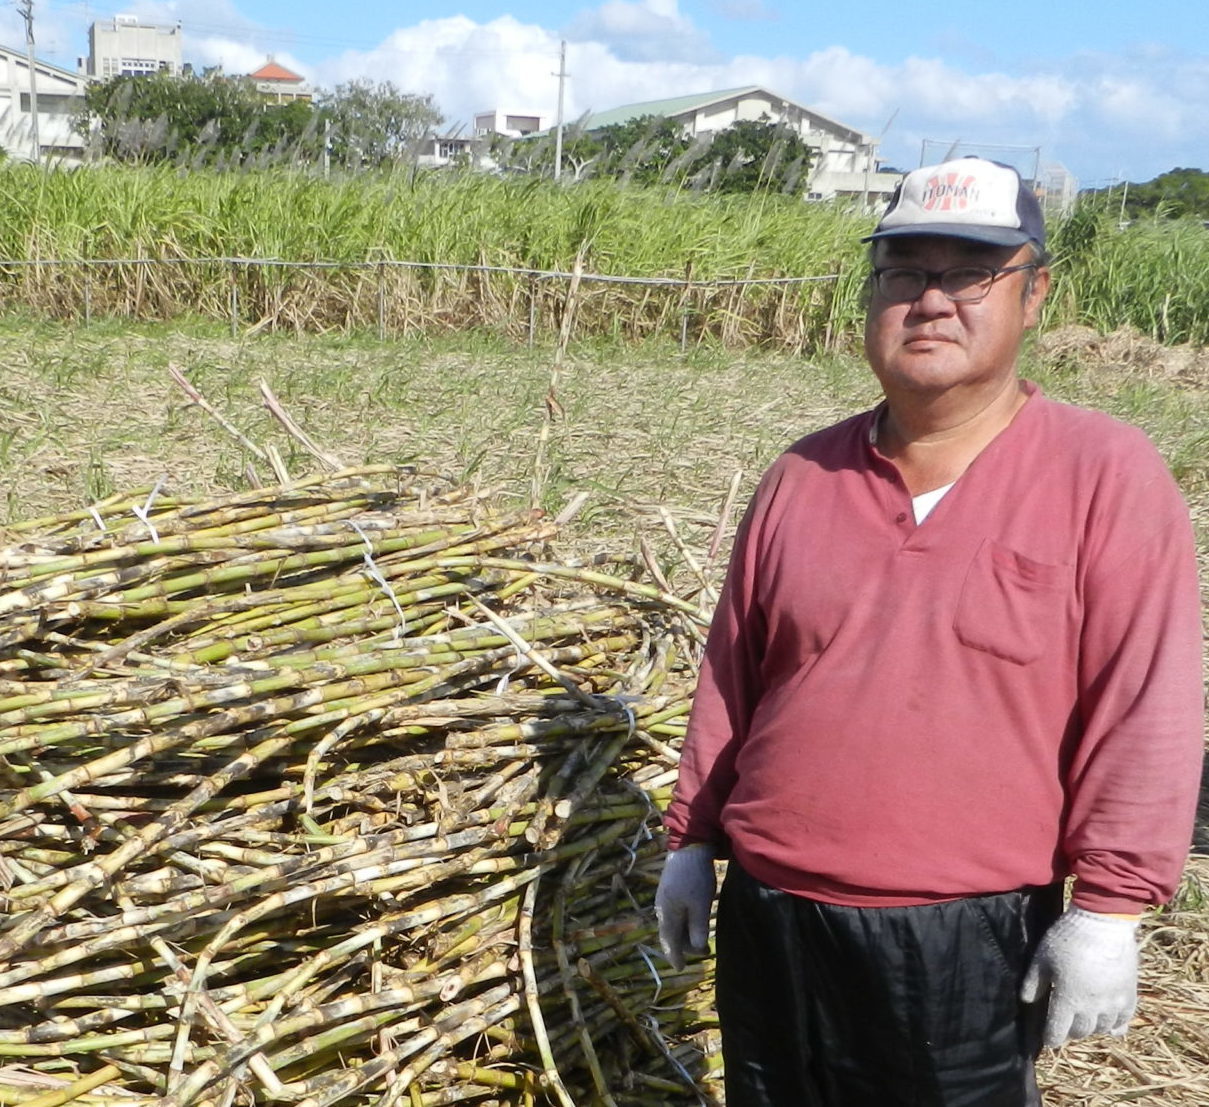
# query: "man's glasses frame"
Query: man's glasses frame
960,284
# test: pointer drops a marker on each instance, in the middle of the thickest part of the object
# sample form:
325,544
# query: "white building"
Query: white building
435,151
512,124
845,160
474,149
60,94
123,45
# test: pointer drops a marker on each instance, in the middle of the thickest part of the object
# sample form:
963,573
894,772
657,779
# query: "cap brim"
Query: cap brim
992,236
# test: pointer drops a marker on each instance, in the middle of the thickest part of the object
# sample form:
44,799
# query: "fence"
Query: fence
801,313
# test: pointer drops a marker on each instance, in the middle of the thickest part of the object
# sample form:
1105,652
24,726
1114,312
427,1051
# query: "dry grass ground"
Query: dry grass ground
653,437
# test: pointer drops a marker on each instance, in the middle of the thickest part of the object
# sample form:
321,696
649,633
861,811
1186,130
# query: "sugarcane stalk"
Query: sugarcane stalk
357,687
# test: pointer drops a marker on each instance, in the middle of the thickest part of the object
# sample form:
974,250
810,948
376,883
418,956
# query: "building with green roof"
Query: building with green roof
845,165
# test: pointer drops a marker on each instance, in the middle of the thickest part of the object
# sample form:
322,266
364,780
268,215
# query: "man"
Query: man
957,660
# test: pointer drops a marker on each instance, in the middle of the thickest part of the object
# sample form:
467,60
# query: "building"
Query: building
278,84
511,124
474,149
123,45
845,165
60,95
435,151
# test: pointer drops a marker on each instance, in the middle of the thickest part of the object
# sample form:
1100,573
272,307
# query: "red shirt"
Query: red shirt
1003,695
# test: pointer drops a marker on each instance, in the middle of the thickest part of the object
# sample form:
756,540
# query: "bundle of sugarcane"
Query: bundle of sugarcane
337,792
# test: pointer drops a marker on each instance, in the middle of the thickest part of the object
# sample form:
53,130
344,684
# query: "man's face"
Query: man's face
931,343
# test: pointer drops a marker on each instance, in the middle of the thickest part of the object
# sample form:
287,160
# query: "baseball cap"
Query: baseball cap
971,197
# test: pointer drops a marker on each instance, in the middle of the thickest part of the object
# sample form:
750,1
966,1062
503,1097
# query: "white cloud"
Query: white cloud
1138,107
238,56
466,66
642,30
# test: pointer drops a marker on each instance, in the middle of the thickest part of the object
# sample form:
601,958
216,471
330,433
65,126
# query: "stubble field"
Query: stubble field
652,442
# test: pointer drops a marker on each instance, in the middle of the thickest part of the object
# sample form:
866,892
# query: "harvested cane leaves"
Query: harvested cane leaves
340,792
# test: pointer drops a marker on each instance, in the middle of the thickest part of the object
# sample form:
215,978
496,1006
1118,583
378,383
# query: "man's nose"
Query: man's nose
931,301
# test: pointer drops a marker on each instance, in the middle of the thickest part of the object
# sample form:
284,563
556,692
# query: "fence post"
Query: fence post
685,298
381,302
532,309
87,296
829,329
234,299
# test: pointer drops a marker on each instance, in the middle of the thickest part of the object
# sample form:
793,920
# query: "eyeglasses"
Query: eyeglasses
963,284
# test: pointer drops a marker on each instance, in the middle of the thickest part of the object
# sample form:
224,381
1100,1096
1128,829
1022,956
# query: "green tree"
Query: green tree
534,154
645,150
153,117
375,123
748,156
755,156
1174,194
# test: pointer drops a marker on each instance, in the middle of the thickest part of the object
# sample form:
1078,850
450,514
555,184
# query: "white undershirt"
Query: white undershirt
925,501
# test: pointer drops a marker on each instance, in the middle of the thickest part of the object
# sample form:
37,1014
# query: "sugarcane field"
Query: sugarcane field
349,627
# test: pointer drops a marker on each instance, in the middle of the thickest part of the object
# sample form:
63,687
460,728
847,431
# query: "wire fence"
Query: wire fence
401,297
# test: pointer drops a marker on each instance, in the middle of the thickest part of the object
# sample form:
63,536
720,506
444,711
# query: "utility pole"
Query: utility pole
558,123
26,8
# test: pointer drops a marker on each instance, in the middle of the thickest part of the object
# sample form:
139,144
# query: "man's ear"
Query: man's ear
1038,290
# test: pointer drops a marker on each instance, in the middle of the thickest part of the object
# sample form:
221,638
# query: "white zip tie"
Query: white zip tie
642,952
501,687
652,1024
643,834
143,511
375,575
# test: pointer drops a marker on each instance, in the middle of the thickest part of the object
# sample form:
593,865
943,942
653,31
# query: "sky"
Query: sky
1112,90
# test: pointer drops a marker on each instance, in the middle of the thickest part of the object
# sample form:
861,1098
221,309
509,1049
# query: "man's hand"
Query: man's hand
682,903
1089,963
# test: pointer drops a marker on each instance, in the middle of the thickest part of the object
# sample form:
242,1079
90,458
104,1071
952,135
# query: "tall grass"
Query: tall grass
1153,276
466,219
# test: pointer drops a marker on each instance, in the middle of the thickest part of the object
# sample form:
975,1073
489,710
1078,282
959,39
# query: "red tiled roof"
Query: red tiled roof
271,71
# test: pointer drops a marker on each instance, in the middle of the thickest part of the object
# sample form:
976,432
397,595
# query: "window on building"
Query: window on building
136,66
54,103
526,124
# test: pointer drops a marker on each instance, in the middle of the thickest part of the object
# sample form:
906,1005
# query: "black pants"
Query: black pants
825,1006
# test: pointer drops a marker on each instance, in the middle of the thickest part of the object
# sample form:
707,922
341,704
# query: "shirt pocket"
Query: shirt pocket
1011,605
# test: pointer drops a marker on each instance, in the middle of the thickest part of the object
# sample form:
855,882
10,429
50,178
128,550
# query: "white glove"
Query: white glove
1089,963
682,902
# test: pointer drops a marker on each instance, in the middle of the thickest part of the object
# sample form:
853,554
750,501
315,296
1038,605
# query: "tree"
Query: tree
376,124
645,150
756,156
748,156
1176,193
157,116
